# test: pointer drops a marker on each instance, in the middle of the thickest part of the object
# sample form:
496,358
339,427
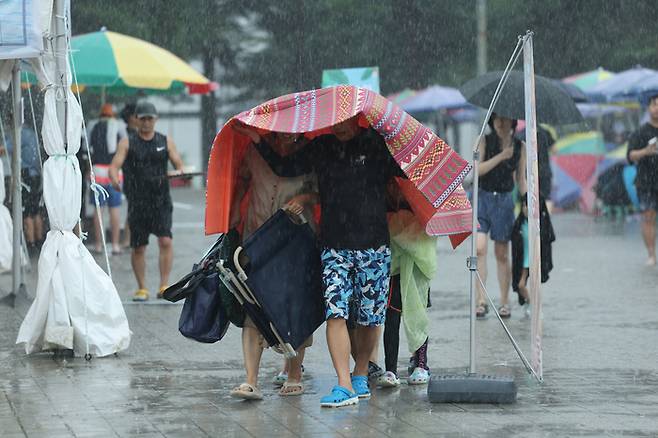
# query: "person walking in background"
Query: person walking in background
145,156
503,161
104,136
643,151
32,187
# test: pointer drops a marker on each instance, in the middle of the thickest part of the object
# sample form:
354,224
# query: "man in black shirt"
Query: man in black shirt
353,167
145,156
643,151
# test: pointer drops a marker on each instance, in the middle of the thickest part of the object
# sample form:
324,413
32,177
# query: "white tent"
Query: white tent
76,305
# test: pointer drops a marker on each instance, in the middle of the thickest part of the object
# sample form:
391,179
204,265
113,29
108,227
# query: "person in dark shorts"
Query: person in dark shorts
643,151
145,156
32,187
353,167
503,164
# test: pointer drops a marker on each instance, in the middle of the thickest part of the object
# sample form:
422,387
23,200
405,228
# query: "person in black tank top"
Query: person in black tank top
503,164
145,156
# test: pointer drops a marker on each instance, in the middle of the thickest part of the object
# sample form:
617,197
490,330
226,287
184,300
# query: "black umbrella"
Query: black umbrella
554,105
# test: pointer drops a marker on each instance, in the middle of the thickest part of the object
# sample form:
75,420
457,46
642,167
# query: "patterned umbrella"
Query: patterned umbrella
590,142
434,170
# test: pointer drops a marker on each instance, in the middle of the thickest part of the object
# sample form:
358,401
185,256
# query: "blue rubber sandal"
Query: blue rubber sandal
339,397
360,385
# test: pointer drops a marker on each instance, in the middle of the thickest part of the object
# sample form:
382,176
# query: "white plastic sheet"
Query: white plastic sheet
21,24
76,304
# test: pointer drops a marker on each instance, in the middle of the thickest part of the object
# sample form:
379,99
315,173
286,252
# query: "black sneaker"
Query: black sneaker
374,371
413,364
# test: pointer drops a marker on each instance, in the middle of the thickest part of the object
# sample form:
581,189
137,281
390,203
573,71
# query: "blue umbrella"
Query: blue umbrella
434,98
624,86
596,110
648,89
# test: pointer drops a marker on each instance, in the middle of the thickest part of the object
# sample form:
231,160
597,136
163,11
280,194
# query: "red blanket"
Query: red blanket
434,170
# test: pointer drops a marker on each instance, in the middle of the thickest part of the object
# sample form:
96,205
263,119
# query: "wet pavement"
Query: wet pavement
600,359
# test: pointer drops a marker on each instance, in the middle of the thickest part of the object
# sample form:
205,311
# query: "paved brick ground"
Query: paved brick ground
600,359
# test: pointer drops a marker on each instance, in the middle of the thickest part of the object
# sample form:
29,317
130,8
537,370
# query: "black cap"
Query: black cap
145,109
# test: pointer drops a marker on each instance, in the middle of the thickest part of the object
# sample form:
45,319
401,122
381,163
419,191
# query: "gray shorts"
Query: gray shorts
496,214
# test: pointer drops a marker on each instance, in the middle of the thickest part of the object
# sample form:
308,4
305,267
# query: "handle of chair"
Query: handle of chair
286,348
242,275
228,278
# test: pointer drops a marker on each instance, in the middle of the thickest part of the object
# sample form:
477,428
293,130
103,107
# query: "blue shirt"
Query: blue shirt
29,151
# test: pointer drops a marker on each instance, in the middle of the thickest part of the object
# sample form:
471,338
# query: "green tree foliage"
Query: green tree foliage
266,48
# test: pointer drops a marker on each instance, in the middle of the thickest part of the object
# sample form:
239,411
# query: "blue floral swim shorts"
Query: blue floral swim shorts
358,275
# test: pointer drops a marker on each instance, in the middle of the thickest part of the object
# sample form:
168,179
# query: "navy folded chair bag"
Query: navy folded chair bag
204,316
284,274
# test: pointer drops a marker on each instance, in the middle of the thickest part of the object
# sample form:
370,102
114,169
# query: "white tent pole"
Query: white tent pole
61,64
17,207
532,172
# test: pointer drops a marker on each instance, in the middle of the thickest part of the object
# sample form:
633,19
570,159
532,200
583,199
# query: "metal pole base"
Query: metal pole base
471,388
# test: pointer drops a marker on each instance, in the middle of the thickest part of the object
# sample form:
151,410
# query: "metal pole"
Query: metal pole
532,172
17,205
473,259
481,12
61,62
